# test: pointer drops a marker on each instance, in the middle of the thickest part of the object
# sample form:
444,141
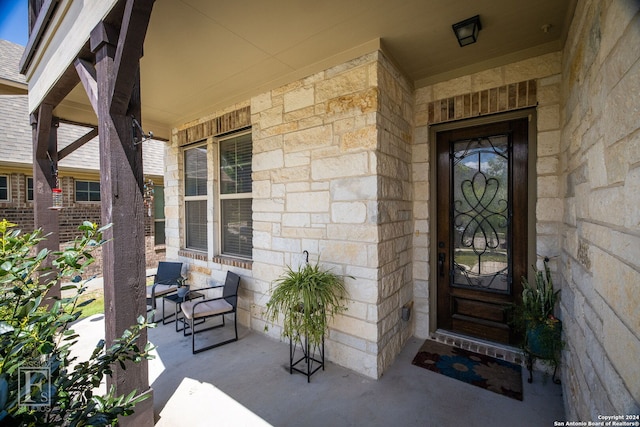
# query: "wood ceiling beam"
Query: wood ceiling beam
77,144
135,22
87,74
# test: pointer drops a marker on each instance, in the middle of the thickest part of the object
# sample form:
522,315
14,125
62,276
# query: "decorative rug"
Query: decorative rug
480,370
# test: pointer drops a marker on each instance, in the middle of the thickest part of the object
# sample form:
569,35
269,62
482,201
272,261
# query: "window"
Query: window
195,197
87,191
158,215
4,188
235,196
29,189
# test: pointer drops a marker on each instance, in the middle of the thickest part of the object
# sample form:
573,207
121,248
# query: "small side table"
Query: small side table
177,301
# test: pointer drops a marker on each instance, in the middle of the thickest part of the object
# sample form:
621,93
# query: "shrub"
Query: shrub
35,331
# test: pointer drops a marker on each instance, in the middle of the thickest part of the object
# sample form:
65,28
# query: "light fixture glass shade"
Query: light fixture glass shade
467,31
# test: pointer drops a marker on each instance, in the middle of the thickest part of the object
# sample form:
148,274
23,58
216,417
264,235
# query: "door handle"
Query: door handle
441,257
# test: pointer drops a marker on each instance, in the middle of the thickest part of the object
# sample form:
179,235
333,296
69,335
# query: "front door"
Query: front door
481,227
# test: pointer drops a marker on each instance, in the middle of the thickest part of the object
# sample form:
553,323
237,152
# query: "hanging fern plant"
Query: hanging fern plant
307,298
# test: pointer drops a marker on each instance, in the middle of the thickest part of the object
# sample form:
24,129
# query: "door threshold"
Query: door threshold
477,345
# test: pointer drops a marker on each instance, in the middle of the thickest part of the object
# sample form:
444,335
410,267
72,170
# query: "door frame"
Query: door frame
529,113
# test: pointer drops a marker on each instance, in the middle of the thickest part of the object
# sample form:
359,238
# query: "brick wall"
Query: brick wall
20,211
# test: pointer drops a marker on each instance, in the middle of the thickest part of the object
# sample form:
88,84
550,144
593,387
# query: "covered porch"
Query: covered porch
331,109
247,383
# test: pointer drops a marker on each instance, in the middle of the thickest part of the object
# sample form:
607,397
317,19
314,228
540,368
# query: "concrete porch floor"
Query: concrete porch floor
247,383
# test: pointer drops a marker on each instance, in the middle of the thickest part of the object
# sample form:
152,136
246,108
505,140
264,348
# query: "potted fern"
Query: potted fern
307,299
543,330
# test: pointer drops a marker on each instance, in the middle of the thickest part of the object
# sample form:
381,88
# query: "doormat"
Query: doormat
480,370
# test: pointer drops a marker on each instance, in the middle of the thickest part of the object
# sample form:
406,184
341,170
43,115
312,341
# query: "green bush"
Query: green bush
35,331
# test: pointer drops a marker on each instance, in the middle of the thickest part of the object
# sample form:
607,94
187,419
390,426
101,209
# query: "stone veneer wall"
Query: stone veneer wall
505,88
600,161
395,219
331,176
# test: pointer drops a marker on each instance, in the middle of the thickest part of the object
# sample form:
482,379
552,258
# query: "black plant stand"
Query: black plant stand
310,354
531,357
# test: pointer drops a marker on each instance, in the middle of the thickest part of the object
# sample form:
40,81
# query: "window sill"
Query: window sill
222,260
235,262
187,253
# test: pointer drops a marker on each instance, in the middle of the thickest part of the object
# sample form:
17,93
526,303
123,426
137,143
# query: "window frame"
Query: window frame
29,200
201,197
7,188
88,192
233,196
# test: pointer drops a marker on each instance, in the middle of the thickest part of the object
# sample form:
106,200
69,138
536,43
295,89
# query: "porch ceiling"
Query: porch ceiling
200,55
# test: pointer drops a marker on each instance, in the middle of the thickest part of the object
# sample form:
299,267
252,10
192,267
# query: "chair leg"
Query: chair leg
193,338
193,334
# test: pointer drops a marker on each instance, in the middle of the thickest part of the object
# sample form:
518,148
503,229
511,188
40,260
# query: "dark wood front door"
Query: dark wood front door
481,227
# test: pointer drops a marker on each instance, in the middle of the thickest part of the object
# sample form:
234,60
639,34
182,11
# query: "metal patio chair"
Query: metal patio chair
197,311
167,280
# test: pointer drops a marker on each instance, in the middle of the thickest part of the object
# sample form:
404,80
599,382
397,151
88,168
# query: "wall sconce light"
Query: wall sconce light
467,31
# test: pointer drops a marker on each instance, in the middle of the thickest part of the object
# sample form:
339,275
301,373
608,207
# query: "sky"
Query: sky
13,21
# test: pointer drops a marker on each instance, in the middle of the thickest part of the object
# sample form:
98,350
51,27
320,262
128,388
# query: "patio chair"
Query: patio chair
166,281
197,311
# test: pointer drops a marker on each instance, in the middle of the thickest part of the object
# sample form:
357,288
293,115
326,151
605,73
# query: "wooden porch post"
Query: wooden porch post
121,192
45,166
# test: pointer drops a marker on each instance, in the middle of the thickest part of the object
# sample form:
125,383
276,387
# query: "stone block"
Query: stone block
315,201
361,362
621,110
360,139
348,340
361,273
341,252
548,186
349,82
268,160
267,144
632,187
353,232
261,240
299,158
357,309
299,98
268,256
618,287
548,117
296,219
271,117
260,103
268,205
340,167
453,87
357,188
533,68
548,94
547,165
487,79
549,209
288,175
286,245
307,139
620,343
356,103
356,327
348,212
304,232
